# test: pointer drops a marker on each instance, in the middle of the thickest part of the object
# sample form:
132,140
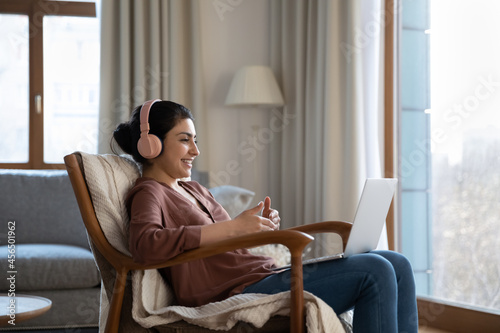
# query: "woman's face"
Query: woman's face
179,150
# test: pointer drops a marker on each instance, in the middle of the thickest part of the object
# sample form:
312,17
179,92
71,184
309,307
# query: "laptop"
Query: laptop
369,220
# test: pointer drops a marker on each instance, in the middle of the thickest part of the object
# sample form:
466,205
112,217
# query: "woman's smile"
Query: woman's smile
179,152
188,162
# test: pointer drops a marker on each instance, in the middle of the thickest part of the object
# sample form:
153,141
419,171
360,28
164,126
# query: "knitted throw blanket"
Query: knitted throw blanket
109,177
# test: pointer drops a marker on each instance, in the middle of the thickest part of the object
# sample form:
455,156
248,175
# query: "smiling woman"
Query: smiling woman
169,216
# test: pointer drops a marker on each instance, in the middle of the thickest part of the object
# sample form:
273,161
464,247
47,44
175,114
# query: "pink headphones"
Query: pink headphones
149,145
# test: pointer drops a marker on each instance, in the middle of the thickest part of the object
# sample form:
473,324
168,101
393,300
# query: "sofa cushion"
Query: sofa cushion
49,266
234,199
43,205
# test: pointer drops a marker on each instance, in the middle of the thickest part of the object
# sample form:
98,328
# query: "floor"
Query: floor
430,330
95,330
72,330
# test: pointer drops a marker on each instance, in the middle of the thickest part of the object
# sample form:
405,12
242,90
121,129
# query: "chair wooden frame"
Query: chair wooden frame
295,239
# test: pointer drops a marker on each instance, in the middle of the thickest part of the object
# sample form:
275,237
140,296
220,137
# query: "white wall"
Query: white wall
235,33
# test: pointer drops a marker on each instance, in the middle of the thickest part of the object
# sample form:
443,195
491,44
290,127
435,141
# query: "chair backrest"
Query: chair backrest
117,291
75,170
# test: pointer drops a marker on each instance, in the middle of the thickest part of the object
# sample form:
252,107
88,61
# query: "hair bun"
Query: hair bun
123,136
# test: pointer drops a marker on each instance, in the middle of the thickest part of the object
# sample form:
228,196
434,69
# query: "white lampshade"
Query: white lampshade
254,86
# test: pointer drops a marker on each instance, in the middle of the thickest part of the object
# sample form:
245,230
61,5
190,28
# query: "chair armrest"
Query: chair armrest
343,229
294,240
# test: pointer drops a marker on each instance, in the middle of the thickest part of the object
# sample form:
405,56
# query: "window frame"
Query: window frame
36,10
432,312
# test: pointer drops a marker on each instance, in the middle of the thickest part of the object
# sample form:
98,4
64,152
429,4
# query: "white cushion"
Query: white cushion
234,199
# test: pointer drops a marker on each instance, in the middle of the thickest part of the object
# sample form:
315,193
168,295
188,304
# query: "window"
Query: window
49,81
14,88
450,151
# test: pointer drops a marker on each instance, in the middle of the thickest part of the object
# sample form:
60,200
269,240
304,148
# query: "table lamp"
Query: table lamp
254,86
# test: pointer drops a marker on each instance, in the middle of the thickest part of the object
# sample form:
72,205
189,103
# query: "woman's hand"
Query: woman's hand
249,222
271,214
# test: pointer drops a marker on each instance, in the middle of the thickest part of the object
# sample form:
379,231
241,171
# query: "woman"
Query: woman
169,216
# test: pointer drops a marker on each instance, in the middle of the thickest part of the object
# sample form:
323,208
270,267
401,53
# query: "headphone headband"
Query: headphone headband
149,145
145,112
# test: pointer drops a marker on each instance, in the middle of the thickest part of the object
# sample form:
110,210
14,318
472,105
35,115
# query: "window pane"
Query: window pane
416,223
415,150
465,104
414,64
415,237
14,106
71,86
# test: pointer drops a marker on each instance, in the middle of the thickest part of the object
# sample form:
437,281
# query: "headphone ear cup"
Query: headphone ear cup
149,146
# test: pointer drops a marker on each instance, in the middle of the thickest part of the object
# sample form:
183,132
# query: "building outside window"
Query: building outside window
49,81
450,154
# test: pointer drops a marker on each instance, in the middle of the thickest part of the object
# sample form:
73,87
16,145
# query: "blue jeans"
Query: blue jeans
379,285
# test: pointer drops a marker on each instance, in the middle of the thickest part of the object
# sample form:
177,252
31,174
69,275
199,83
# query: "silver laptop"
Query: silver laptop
369,220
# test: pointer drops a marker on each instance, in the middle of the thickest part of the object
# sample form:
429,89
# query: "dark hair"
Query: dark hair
163,116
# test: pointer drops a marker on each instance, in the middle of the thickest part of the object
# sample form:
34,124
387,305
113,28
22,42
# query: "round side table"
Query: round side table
26,307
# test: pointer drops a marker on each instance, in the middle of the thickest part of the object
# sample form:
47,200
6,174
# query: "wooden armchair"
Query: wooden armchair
295,239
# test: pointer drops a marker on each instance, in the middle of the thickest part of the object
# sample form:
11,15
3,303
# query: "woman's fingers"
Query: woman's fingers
269,224
254,223
254,210
267,204
274,215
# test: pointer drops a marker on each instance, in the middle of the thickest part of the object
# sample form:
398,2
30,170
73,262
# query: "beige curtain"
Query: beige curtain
149,49
328,57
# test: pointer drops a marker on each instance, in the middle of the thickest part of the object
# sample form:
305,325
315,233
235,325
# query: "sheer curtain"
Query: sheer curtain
329,57
149,49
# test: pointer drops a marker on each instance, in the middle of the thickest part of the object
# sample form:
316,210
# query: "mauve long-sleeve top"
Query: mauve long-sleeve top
164,224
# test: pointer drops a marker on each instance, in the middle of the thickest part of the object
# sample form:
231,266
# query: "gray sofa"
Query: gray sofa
52,255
